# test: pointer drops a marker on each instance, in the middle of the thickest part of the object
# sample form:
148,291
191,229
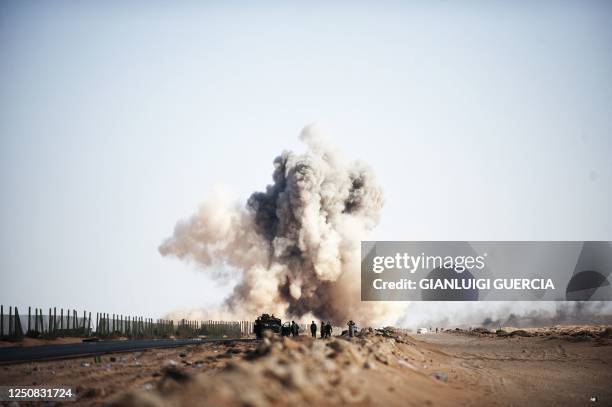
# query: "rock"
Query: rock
369,364
113,359
176,374
85,364
440,376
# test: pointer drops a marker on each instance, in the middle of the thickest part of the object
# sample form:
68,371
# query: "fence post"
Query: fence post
89,324
18,328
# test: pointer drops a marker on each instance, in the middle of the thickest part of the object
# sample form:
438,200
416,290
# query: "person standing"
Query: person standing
313,329
257,328
351,328
295,330
323,329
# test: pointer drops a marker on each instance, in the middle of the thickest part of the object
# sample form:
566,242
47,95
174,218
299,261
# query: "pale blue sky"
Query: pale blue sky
488,120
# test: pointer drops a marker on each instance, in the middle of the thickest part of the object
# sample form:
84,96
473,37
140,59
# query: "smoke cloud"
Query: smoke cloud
295,246
493,314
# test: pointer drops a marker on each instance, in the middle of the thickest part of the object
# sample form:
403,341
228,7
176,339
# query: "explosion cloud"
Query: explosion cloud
295,246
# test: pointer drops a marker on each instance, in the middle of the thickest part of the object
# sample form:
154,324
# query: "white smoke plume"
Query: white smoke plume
296,246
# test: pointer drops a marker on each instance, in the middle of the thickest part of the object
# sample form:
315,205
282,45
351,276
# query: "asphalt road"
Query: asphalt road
71,350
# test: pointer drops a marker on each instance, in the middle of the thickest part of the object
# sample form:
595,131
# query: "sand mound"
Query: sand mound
287,371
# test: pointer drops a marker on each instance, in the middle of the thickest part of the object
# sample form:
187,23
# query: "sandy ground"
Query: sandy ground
554,366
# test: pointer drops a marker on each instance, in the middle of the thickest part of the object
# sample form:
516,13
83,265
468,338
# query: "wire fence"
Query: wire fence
14,325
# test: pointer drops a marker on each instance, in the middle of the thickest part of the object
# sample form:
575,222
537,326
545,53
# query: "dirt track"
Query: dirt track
528,371
378,368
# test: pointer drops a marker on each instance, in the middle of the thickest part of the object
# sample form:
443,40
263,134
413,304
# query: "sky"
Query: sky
482,121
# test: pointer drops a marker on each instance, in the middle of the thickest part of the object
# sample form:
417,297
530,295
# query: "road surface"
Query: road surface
70,350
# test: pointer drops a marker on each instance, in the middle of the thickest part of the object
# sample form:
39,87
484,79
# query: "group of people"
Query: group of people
326,329
270,323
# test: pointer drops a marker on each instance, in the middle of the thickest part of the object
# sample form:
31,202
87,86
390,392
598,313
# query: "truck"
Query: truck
267,322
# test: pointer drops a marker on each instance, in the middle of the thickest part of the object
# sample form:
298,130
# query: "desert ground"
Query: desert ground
546,366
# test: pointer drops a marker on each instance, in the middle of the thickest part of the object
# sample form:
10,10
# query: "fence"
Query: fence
70,323
14,326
